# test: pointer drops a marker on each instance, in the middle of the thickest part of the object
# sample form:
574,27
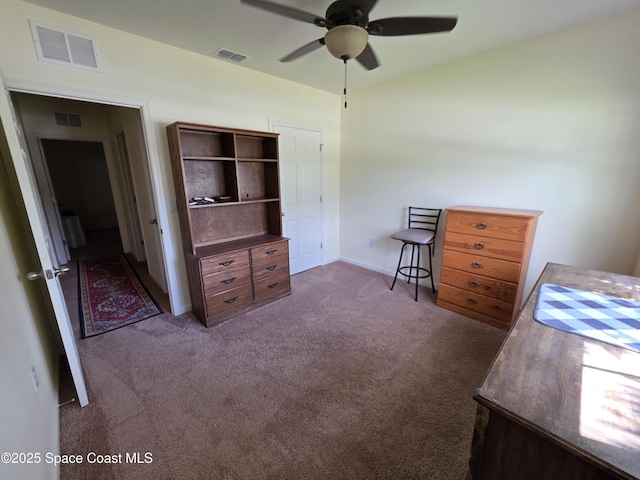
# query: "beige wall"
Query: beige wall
552,124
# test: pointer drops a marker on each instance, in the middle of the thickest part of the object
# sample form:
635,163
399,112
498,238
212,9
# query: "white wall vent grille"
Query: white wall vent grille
64,48
229,55
67,119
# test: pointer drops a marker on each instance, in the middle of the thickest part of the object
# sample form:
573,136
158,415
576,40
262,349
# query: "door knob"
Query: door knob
154,221
61,270
48,274
34,275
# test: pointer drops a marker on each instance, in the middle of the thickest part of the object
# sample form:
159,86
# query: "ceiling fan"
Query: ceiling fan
348,28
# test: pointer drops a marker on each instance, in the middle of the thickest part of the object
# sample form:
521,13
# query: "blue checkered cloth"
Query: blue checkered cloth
608,319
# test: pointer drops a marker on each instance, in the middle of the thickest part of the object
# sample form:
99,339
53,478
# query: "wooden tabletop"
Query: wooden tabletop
580,393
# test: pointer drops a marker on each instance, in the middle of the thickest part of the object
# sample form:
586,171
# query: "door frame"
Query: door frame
21,85
49,205
273,124
132,215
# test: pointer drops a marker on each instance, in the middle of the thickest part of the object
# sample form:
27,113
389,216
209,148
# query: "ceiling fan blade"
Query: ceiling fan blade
394,26
286,11
367,5
308,48
368,58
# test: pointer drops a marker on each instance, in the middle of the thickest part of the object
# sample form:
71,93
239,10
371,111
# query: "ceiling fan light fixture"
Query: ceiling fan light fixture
346,41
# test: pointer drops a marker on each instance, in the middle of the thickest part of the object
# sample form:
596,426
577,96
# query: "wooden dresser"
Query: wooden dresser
485,260
556,405
230,279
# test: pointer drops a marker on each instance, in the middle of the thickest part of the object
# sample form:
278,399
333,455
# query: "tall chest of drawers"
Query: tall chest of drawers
484,263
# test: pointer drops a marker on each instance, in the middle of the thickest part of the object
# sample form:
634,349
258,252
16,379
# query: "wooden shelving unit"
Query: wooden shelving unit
228,200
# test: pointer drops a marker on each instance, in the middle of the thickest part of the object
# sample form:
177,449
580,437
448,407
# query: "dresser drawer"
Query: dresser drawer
266,267
272,285
228,300
478,265
485,246
270,250
495,226
225,261
225,280
489,287
497,309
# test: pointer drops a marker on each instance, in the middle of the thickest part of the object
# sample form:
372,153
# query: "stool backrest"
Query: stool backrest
424,218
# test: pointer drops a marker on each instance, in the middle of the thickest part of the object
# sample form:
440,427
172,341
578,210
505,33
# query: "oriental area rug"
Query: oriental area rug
111,295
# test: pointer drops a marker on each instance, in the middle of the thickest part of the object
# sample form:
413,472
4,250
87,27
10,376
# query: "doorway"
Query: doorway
90,174
103,183
79,178
107,115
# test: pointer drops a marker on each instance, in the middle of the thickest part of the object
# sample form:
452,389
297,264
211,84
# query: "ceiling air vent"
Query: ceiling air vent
68,119
229,55
64,48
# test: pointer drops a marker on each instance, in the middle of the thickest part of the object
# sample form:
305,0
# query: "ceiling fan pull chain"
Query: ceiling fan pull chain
345,82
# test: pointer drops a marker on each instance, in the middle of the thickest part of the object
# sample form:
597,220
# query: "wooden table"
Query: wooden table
556,405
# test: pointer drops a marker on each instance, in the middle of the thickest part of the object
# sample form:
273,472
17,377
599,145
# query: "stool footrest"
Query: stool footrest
414,270
401,271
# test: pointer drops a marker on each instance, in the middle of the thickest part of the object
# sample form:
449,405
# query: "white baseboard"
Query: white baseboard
367,266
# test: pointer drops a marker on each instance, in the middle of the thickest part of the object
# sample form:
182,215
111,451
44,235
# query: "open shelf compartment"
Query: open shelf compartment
257,180
232,222
256,147
210,178
203,144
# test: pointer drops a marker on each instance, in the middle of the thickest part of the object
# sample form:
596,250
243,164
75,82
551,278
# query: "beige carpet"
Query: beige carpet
344,379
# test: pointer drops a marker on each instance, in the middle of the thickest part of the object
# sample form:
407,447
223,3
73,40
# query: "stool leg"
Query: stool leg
417,271
433,287
413,251
398,269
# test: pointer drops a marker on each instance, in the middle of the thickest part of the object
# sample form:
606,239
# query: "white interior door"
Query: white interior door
50,267
301,189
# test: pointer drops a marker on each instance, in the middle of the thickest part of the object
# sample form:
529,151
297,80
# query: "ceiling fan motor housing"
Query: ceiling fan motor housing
346,12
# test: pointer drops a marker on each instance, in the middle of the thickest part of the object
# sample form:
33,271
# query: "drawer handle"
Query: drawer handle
271,267
228,280
476,265
231,300
273,285
479,245
227,263
271,252
481,226
471,301
473,283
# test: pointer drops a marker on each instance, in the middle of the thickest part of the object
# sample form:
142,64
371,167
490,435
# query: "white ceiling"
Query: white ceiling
204,26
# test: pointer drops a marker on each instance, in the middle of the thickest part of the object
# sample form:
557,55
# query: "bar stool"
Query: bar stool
423,226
